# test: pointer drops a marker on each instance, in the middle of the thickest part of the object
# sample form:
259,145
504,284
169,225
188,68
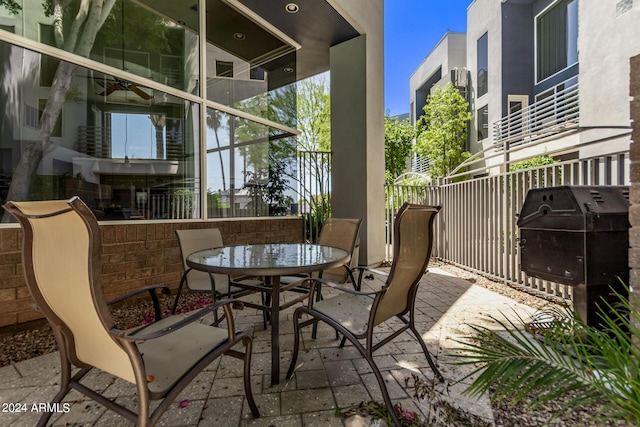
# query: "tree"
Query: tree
314,114
442,131
398,138
76,25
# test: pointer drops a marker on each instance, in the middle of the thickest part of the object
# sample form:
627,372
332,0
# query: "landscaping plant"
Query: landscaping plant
585,365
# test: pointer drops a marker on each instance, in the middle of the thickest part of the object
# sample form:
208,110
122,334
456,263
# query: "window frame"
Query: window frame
485,39
536,19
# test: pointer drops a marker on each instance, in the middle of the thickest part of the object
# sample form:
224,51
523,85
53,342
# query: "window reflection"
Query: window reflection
245,63
132,151
142,37
128,151
250,168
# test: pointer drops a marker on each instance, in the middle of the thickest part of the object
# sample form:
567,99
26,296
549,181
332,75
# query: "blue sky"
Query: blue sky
411,29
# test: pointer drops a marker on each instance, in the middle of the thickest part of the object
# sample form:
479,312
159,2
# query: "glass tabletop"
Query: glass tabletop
273,259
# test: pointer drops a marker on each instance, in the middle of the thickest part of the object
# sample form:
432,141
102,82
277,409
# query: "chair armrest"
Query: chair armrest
154,297
139,335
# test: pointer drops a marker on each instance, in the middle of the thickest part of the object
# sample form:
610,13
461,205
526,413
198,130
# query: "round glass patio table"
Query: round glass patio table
269,261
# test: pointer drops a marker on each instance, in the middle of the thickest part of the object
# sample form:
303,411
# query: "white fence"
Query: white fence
477,228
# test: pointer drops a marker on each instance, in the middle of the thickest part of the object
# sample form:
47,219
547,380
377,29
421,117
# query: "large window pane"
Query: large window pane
147,38
245,63
557,38
250,167
128,151
483,65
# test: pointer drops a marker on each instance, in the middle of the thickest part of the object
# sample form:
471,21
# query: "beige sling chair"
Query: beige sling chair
61,257
356,314
340,233
217,285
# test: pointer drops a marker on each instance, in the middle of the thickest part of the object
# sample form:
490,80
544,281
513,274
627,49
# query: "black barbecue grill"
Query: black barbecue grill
578,236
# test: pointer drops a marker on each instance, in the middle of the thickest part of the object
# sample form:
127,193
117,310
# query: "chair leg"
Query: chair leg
296,343
175,303
314,330
65,388
384,391
379,378
433,366
247,377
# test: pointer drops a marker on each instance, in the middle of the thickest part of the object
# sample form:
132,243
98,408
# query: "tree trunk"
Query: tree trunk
83,30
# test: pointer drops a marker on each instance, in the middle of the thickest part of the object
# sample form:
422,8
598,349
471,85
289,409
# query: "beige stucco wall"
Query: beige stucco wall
357,125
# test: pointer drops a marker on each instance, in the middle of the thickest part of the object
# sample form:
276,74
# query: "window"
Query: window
557,38
48,65
483,122
224,69
133,151
483,65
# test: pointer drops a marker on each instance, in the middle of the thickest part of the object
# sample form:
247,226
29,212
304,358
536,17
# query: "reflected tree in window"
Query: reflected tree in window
76,25
214,121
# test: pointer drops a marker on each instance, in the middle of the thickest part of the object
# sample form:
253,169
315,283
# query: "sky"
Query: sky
412,28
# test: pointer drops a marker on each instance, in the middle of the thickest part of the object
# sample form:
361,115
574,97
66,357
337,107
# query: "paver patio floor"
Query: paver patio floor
328,377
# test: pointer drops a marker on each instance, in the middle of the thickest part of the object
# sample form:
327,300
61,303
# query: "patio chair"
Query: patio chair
217,285
340,233
356,314
61,258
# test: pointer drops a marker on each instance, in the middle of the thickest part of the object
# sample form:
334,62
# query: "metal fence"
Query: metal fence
313,182
477,228
557,113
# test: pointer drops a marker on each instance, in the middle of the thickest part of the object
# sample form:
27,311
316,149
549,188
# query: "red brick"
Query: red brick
23,292
138,273
144,255
117,257
17,306
8,319
108,233
30,315
7,295
9,238
113,277
12,282
8,258
9,270
112,268
121,233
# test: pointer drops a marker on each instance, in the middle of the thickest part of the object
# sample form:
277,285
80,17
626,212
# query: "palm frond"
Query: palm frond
595,366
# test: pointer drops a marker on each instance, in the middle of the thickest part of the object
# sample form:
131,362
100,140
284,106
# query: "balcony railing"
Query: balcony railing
94,141
552,115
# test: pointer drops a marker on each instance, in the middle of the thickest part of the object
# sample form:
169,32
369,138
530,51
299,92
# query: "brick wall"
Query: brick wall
133,255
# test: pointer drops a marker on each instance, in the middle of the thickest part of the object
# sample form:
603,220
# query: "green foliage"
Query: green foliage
268,184
534,162
13,7
442,131
136,28
314,114
213,201
398,137
593,366
187,203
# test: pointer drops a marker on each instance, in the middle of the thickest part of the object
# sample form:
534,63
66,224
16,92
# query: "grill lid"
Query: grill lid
576,208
